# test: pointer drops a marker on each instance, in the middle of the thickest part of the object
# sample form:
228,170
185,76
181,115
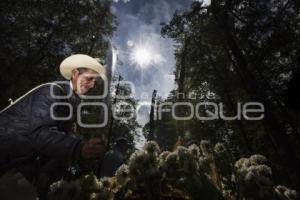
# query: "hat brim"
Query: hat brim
81,61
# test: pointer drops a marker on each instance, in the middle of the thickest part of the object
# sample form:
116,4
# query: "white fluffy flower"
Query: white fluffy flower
258,159
152,147
138,159
194,150
219,148
65,190
172,158
183,152
56,185
164,155
285,193
242,164
106,182
122,175
205,146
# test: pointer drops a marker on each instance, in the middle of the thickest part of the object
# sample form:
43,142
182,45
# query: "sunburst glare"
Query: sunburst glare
142,56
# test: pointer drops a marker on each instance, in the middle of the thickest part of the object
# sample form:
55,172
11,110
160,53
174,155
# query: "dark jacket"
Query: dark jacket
28,131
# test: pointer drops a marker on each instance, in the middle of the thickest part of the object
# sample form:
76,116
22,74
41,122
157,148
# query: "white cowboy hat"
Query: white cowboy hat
78,61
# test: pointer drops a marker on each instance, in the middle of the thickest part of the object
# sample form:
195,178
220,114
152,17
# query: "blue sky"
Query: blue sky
139,28
139,25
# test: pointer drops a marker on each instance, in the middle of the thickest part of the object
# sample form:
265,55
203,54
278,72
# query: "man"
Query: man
36,135
114,158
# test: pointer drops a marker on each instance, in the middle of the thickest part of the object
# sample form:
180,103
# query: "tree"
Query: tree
37,35
240,51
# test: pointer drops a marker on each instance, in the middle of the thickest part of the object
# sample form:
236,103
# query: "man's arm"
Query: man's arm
47,139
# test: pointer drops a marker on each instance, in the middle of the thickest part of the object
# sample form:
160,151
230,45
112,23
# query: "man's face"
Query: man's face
83,82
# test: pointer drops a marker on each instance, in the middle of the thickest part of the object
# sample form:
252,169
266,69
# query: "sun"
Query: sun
142,56
144,53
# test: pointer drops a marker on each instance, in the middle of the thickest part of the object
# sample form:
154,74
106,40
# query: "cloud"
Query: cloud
205,2
125,1
139,24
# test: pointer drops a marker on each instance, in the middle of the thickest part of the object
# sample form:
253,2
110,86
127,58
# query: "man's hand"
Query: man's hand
93,149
